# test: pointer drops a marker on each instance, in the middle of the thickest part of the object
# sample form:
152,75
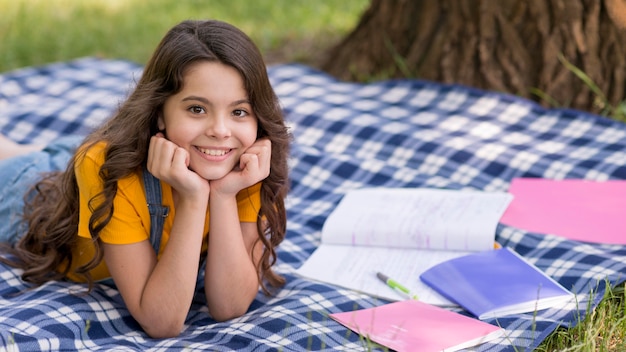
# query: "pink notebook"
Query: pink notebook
582,210
416,326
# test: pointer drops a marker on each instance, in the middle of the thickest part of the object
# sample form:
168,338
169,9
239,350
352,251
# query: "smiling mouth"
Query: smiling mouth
214,152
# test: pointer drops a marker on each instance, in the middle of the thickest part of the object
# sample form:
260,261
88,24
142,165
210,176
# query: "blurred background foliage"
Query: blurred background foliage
35,32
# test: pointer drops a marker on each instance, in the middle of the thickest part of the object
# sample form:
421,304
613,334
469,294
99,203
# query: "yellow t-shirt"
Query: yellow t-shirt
130,222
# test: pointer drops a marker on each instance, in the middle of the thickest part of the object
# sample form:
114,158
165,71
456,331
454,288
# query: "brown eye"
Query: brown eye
196,109
240,113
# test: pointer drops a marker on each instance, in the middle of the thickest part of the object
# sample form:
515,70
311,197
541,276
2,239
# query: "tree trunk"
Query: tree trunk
511,46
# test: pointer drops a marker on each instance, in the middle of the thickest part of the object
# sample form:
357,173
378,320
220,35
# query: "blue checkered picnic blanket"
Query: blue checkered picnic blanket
400,133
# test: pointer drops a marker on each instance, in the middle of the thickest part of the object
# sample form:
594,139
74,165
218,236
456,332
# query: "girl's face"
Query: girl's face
211,118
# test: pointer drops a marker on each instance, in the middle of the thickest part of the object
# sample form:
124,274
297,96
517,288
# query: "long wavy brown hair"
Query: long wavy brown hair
52,205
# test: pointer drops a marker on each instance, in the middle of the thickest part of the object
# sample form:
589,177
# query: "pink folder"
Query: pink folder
583,210
414,326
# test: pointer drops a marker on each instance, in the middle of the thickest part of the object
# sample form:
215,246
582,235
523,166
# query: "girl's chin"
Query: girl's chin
211,174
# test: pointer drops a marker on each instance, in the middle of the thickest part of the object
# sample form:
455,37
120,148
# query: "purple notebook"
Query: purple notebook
496,283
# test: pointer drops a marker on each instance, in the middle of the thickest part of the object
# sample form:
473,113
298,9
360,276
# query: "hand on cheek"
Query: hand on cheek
254,166
170,163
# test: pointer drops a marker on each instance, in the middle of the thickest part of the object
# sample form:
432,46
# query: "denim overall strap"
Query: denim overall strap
158,212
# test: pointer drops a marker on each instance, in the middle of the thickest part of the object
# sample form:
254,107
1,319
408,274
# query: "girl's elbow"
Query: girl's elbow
163,331
222,310
223,313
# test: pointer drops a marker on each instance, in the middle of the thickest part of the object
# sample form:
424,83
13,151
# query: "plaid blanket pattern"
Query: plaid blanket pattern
402,133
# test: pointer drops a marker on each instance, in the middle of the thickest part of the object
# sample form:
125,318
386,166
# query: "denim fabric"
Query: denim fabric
18,174
158,212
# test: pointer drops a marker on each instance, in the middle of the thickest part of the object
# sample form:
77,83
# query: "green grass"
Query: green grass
603,329
36,32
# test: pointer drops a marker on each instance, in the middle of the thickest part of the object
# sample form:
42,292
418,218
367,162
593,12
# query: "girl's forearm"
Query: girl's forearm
231,280
169,291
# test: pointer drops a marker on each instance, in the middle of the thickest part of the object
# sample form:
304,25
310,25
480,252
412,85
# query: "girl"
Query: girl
204,122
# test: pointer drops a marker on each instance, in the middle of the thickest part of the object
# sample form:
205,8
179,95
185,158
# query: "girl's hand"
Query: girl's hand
254,166
170,163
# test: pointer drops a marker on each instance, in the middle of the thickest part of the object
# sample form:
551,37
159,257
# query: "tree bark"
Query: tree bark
510,46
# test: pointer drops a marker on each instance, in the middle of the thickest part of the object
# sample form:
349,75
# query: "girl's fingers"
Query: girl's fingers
180,158
256,160
262,149
249,163
161,154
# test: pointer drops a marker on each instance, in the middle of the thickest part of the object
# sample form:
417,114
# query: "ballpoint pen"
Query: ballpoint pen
396,286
